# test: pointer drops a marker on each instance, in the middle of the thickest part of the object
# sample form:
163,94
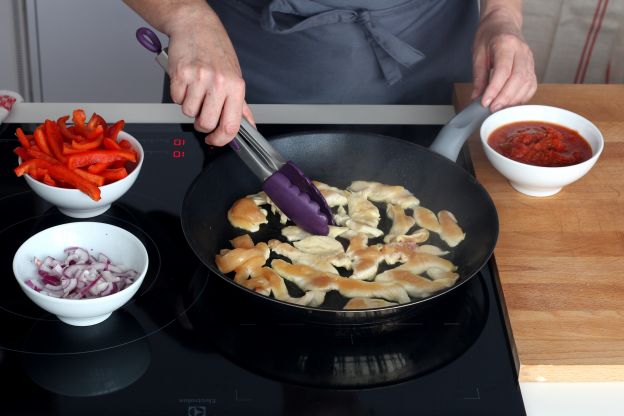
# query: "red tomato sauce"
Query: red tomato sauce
540,143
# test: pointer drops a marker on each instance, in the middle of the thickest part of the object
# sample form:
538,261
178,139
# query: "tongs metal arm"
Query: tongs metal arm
256,151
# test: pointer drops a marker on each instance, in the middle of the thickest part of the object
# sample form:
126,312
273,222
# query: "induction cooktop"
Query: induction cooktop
190,344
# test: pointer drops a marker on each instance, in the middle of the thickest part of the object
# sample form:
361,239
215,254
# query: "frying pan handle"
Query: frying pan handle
452,137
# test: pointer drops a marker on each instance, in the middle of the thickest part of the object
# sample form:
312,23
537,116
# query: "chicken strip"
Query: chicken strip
294,233
308,278
365,259
450,232
246,215
401,223
334,196
379,192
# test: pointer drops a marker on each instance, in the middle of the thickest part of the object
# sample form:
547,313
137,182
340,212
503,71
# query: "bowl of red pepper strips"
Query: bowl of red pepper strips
80,168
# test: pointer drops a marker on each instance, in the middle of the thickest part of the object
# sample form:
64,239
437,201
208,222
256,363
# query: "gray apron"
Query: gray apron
355,51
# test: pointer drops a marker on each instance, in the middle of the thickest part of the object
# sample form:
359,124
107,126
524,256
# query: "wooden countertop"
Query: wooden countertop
561,258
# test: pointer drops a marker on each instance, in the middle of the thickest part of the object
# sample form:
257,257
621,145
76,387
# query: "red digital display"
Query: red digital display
178,144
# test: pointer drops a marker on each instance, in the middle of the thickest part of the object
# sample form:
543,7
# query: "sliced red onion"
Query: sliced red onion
103,259
34,285
80,275
77,256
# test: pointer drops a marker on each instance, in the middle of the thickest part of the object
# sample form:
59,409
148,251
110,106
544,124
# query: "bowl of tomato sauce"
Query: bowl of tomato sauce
540,149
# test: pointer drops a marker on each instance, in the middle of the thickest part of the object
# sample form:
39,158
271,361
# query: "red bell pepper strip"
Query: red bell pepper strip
22,153
90,157
41,141
30,166
38,154
94,179
91,134
97,120
55,141
68,150
59,173
48,180
110,144
113,131
118,164
125,144
22,138
68,135
112,175
64,174
98,167
79,117
88,145
38,173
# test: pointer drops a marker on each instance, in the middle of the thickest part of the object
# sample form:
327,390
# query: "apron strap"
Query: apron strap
289,16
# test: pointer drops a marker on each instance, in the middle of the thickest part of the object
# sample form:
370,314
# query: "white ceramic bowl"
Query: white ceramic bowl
119,245
75,203
538,180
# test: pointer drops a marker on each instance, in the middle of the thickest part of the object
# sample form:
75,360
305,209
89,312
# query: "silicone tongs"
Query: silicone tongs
287,186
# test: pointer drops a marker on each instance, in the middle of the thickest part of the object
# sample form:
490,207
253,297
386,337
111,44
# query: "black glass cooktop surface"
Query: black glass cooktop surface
190,344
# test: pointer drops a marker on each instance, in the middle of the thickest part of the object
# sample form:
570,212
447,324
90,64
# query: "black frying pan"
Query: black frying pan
338,158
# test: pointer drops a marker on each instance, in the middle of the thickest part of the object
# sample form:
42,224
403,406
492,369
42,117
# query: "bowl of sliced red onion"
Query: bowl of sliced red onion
81,271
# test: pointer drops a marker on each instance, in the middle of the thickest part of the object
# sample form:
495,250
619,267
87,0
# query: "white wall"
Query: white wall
8,53
89,53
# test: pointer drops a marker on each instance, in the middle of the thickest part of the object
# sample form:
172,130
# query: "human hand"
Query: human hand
500,47
206,78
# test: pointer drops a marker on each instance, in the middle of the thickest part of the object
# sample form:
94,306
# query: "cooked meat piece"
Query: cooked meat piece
246,215
229,260
378,192
362,210
294,233
261,198
320,245
341,217
450,232
365,259
425,218
318,262
401,252
242,241
308,278
418,263
437,274
334,196
266,281
419,236
417,286
356,228
401,223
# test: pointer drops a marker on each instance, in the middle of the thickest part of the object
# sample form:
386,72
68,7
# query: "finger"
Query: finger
193,99
248,114
177,90
532,88
531,91
229,123
518,97
480,72
526,92
514,89
208,118
502,62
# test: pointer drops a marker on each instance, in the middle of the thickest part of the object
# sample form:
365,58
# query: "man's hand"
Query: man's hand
206,78
503,67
